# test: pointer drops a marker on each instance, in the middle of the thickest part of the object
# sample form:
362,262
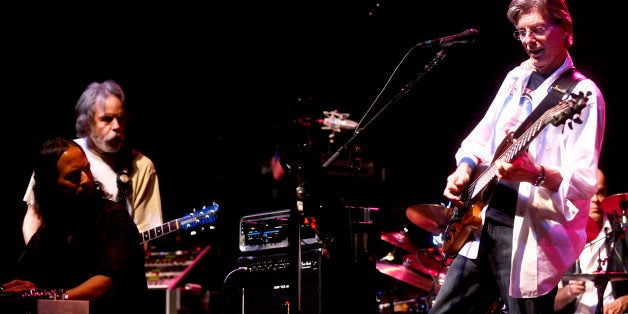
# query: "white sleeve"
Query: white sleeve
29,196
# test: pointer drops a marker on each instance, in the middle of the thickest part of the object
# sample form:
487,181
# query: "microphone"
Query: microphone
466,37
337,122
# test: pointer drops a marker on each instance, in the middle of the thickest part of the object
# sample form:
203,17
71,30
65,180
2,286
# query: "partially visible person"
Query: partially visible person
127,175
580,296
532,225
86,243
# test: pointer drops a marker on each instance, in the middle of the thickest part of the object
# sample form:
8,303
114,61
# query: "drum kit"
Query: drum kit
425,268
615,204
422,268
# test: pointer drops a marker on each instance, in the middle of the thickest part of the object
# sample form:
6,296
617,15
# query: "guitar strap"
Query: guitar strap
124,169
503,199
562,86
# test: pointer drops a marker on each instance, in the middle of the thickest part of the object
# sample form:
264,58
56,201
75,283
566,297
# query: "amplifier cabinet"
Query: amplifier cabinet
269,287
337,273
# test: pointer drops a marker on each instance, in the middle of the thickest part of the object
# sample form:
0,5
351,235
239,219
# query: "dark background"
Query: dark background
211,88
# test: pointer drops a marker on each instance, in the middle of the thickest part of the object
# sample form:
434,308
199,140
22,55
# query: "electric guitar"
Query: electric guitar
192,220
464,220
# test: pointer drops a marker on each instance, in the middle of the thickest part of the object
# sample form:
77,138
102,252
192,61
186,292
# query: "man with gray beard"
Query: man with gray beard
126,174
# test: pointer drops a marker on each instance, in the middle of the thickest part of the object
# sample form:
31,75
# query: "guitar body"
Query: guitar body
460,231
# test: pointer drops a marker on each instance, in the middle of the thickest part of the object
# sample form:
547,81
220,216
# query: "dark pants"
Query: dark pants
479,285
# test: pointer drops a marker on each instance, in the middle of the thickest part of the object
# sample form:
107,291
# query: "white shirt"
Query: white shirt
549,227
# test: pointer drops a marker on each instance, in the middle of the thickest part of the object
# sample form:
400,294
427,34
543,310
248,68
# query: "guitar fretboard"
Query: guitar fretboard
552,115
161,230
189,221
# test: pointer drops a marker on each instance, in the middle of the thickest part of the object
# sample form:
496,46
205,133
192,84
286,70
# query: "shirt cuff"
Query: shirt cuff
470,161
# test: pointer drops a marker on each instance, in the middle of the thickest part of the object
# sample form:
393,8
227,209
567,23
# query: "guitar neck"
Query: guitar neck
508,155
159,231
189,221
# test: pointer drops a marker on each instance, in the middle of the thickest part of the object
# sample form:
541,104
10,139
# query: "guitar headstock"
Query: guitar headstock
569,109
204,216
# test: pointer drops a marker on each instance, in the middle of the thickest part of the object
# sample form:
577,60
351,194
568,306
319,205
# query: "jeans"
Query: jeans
481,285
475,285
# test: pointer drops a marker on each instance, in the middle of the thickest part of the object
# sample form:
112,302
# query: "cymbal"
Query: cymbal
405,274
427,261
429,217
612,276
399,239
615,203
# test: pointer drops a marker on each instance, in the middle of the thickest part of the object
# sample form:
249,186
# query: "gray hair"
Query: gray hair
555,11
94,95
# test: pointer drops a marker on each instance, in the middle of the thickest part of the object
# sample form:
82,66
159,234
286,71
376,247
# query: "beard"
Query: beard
110,143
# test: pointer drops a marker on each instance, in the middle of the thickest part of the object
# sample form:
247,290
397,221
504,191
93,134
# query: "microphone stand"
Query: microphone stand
295,244
623,205
294,234
300,167
404,90
602,281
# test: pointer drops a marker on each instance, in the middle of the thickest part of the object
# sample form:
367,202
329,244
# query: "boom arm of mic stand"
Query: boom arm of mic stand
333,157
404,90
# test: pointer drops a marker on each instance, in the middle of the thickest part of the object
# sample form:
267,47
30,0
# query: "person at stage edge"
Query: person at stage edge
580,296
86,244
533,228
127,175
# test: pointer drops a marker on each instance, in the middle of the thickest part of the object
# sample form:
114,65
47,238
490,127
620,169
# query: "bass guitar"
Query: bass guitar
204,216
464,220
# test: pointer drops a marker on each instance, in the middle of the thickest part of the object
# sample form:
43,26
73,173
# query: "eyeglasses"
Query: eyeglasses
535,31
